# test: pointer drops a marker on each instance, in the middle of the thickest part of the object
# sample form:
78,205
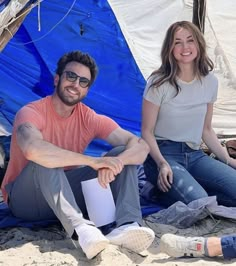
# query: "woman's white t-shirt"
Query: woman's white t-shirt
181,117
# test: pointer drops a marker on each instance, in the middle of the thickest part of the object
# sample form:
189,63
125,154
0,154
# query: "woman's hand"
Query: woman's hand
232,162
165,177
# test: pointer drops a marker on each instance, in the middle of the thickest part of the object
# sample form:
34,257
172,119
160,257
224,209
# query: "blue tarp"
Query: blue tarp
8,220
28,62
148,203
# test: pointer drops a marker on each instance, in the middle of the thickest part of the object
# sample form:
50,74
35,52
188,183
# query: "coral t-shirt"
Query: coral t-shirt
72,133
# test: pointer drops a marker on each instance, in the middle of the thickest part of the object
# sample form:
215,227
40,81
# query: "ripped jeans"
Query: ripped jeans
195,175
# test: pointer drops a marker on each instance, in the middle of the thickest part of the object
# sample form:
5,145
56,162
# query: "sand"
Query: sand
51,247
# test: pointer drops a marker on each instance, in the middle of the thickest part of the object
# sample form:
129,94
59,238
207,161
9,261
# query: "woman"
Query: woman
177,114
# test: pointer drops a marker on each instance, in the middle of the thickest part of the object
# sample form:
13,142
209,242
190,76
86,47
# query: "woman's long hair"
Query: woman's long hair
169,69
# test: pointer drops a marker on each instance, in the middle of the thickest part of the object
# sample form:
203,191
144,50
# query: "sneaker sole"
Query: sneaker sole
135,239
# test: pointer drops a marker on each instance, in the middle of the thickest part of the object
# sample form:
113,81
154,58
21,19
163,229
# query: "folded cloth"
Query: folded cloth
183,215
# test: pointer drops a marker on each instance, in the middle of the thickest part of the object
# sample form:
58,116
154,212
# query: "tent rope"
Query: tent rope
39,17
42,37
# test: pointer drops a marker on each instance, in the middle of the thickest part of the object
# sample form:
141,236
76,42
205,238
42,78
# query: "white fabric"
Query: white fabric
5,126
13,7
144,24
221,39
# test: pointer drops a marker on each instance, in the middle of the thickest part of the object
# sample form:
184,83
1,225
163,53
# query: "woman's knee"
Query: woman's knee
185,186
187,192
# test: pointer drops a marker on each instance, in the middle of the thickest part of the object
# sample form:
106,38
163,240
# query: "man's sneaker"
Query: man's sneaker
179,246
91,240
132,237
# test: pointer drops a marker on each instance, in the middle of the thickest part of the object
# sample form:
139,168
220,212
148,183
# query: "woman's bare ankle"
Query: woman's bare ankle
214,246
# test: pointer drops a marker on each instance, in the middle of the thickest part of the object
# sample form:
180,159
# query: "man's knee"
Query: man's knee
115,151
32,166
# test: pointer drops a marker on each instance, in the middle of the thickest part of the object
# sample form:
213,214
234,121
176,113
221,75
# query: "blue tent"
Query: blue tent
29,60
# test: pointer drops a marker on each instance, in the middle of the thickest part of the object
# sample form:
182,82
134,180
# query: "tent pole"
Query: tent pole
12,28
199,13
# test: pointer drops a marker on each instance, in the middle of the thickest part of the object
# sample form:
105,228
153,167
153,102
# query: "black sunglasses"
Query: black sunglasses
72,77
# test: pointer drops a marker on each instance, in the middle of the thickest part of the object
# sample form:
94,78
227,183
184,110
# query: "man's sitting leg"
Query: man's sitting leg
129,233
41,193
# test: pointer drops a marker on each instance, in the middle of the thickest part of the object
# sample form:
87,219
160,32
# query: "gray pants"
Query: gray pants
41,193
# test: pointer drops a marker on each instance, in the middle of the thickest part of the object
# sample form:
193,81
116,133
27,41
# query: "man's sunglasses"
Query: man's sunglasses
72,77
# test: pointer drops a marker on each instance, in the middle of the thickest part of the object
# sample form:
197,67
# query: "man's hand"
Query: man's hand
165,177
114,164
105,176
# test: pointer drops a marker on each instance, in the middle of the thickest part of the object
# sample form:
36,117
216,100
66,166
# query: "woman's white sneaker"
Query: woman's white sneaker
179,246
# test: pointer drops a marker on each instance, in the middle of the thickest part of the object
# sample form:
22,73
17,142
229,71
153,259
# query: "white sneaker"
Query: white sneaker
179,246
91,240
132,237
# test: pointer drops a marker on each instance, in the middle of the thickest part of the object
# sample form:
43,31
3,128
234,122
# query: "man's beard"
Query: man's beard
67,100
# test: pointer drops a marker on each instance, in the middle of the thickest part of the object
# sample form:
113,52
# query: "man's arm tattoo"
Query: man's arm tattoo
23,131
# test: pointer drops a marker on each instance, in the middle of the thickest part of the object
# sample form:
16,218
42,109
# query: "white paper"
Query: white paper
99,202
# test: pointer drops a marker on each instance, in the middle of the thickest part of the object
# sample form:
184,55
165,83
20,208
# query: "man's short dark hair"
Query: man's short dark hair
82,58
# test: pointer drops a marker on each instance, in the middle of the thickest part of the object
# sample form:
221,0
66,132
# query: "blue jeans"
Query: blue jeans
228,244
195,175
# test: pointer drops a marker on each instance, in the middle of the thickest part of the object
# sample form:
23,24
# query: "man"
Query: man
43,179
179,246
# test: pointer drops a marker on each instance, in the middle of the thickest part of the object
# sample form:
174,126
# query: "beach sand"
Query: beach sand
51,247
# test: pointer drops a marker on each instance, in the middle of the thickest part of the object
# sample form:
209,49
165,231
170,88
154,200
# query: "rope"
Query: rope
38,39
39,17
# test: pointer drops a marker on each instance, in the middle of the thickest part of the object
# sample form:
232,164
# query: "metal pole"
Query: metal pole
199,12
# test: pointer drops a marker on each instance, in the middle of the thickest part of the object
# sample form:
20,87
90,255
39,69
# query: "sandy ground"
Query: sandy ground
51,247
